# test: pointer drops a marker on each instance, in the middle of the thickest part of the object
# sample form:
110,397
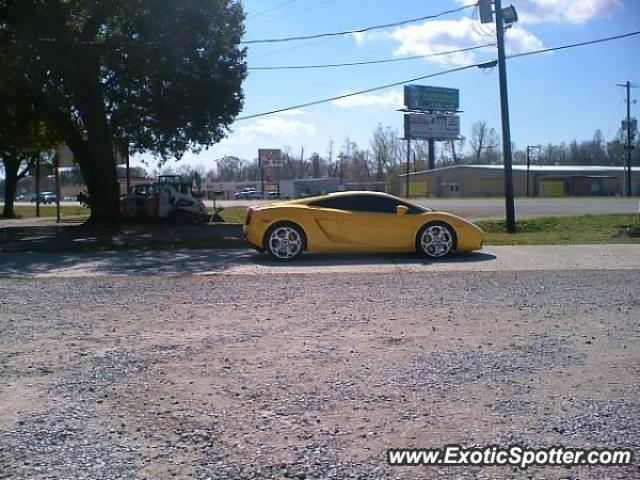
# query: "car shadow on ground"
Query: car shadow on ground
322,259
179,261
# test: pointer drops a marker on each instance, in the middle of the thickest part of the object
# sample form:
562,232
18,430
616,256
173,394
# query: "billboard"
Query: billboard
270,157
438,126
420,97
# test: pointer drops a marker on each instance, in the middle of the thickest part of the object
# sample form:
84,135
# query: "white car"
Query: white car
248,194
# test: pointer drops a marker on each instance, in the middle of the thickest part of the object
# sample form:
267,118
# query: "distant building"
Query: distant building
291,188
308,187
225,190
544,181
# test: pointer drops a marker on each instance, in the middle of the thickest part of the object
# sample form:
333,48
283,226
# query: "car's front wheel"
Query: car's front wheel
435,240
284,241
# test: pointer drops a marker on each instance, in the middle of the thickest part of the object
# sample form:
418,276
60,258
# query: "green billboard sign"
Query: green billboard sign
420,97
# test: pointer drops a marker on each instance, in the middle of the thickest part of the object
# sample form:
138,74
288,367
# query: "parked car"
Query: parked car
248,194
357,222
45,197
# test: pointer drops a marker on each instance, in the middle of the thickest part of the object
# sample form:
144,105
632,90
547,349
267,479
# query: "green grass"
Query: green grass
50,211
617,228
230,214
234,214
614,228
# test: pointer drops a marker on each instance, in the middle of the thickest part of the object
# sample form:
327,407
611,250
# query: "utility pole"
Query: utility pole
506,128
37,186
302,161
528,166
260,161
628,147
432,154
529,148
56,166
406,192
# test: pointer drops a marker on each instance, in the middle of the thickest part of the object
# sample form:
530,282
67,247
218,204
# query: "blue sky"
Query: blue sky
554,97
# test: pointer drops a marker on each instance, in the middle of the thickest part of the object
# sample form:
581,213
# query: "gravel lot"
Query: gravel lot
313,376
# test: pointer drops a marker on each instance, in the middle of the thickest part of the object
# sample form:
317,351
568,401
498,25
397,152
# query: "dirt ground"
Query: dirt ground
313,376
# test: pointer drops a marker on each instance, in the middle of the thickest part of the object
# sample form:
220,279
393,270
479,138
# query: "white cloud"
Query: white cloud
439,36
272,126
390,99
364,37
572,11
520,40
264,131
558,11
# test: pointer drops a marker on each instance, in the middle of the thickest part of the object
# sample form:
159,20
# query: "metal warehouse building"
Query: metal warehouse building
543,181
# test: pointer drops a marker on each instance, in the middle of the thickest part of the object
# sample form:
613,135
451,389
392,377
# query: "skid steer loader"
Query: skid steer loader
171,199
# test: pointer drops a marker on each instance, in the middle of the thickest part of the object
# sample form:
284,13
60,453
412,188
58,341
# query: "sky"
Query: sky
553,97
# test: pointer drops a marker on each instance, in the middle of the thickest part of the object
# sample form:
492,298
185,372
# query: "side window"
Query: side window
339,203
359,203
374,204
364,203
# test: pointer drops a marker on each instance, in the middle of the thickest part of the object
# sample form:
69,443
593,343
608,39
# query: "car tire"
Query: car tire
436,240
284,241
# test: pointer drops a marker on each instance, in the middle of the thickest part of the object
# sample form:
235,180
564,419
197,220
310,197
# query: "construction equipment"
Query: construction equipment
171,199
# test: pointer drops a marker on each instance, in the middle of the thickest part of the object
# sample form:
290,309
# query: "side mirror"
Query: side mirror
402,209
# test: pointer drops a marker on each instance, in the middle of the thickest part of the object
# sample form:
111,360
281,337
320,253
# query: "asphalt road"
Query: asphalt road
490,208
478,208
131,365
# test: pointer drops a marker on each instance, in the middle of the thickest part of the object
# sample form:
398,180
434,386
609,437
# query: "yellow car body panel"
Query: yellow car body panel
330,230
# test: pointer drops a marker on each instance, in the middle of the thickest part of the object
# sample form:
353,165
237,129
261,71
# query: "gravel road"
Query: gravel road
313,375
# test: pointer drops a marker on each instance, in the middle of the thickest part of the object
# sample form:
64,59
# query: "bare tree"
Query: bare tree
385,146
483,139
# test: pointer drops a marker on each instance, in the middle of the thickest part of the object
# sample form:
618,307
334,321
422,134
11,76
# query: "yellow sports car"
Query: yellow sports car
357,222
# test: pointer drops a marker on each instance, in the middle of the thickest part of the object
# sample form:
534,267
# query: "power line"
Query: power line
361,30
573,45
289,39
371,62
450,52
268,10
360,92
293,13
444,72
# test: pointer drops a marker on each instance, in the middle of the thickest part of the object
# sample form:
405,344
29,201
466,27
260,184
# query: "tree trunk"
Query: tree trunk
101,181
11,167
97,161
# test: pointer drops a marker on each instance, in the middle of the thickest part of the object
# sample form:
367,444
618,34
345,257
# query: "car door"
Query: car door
376,225
365,222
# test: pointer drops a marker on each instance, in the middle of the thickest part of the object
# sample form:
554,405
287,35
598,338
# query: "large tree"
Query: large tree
159,76
24,136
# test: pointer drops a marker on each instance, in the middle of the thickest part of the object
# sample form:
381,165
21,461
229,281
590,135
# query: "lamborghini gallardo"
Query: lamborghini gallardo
357,222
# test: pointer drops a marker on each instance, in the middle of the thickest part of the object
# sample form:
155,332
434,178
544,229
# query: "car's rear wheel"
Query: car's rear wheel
284,241
436,240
